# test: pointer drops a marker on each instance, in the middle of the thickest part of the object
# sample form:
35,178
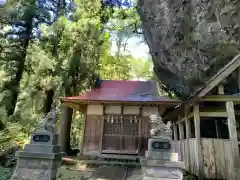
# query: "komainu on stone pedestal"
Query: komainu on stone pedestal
160,161
40,159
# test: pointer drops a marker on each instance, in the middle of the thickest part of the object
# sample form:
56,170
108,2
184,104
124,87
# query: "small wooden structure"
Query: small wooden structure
206,126
116,116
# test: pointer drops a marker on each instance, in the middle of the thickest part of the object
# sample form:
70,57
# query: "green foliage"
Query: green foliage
76,129
62,51
5,174
142,69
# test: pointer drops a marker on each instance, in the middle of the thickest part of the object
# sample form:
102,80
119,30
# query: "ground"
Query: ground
79,170
71,170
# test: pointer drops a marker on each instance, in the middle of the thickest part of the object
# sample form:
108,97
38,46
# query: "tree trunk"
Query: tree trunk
48,102
15,83
50,93
65,128
2,126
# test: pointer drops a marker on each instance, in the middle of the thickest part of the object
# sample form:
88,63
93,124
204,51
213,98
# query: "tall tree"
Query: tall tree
22,26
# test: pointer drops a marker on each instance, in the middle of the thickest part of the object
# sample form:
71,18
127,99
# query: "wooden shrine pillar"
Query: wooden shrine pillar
175,130
188,127
188,136
181,137
198,141
65,128
233,133
181,130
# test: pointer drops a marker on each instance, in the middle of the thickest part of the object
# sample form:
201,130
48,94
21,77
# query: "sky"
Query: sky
136,46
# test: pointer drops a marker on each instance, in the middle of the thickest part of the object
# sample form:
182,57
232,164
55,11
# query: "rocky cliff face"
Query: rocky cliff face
190,40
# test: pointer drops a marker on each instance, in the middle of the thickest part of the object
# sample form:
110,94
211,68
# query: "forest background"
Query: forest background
55,48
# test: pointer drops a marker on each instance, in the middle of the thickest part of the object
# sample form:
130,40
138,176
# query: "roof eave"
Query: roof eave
86,101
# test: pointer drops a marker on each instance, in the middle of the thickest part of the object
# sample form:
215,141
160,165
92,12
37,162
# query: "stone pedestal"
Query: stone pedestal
160,163
40,159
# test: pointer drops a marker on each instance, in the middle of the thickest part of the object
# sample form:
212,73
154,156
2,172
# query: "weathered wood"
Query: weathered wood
83,132
198,141
233,132
217,157
209,159
217,128
213,82
209,114
181,137
92,134
229,161
238,78
175,131
101,133
145,132
187,147
65,126
221,75
220,89
181,131
221,98
188,128
71,105
140,145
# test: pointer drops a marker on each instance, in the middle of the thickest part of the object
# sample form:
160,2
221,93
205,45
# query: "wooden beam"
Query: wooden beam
238,78
101,133
140,130
220,89
188,135
165,103
221,75
188,128
233,132
209,114
181,131
175,130
213,114
181,137
198,142
221,98
217,128
213,82
74,106
83,132
65,128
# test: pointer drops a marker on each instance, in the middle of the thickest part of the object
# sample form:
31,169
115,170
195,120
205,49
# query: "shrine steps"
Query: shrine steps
105,159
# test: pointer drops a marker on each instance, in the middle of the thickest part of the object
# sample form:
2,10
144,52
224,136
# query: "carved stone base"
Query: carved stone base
162,173
161,169
160,163
36,166
40,159
168,156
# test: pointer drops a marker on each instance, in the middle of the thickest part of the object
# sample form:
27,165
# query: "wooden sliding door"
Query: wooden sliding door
121,134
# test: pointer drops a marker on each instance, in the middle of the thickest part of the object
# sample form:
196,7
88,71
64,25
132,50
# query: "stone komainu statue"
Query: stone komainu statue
158,128
50,120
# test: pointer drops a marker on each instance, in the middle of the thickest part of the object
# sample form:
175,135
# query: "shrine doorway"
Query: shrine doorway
121,134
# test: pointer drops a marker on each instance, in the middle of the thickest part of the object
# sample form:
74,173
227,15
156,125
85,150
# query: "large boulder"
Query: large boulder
190,40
